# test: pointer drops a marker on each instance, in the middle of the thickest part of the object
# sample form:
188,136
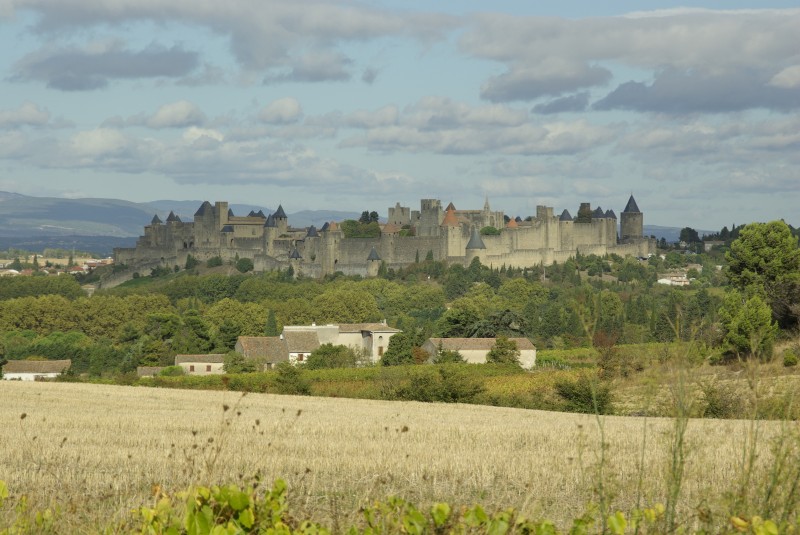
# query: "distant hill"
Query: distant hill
671,234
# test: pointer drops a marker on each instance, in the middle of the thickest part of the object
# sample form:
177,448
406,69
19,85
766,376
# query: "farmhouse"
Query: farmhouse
201,364
268,351
474,350
34,370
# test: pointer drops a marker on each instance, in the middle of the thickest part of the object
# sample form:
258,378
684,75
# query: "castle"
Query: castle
446,234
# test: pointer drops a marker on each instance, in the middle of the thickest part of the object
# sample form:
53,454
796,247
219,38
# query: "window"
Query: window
191,367
208,367
300,357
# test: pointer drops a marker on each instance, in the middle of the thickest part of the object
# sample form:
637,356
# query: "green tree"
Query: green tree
504,351
765,258
238,363
331,356
689,235
271,328
489,231
447,356
748,326
400,350
191,262
244,265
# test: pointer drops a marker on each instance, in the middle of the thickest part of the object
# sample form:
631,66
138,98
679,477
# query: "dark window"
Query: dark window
208,367
191,367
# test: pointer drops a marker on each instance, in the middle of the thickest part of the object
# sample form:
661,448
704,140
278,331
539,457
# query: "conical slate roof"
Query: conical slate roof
252,213
373,255
312,232
475,241
598,213
230,212
325,227
260,214
173,218
565,216
610,214
450,206
156,220
295,254
202,210
270,222
518,219
631,207
279,213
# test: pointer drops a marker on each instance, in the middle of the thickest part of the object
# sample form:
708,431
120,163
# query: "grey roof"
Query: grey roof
301,341
598,213
156,220
36,366
325,227
565,216
227,228
214,358
173,218
270,222
230,212
260,214
475,241
279,213
252,213
631,207
295,254
312,232
373,255
269,348
484,344
370,327
610,214
518,219
202,210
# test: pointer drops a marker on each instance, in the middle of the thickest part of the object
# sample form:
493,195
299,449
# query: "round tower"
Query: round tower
631,221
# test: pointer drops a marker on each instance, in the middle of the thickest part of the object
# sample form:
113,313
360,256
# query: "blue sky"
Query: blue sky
692,107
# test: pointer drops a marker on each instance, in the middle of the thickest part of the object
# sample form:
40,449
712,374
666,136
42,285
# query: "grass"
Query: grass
99,450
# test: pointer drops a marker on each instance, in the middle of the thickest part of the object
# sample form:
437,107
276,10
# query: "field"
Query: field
98,450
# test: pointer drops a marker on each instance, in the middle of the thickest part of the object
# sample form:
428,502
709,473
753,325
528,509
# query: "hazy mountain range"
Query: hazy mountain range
99,225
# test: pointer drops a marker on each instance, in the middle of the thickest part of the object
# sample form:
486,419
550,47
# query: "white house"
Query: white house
201,364
34,370
474,350
370,338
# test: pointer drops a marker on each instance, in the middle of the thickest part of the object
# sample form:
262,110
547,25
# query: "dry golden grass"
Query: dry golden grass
97,450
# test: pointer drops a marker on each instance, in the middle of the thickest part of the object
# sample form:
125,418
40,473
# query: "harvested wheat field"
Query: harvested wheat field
98,450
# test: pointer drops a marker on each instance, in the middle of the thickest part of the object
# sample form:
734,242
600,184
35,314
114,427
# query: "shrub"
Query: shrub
172,371
585,394
720,401
290,380
214,261
244,265
789,358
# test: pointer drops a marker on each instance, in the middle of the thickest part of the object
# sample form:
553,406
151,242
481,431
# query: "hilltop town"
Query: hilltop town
445,234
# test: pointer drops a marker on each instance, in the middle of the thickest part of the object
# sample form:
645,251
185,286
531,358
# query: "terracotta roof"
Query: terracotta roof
450,219
391,228
270,348
456,344
374,327
301,341
36,366
512,224
334,226
214,358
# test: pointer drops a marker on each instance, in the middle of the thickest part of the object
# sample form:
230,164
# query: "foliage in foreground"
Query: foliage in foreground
229,509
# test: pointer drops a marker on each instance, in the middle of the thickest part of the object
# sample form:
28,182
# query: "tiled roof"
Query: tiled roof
450,206
36,366
312,232
610,214
334,226
518,219
391,228
230,212
301,341
456,344
270,348
373,255
156,220
214,358
202,210
372,327
598,213
279,213
325,226
270,222
172,217
260,214
295,254
450,219
631,207
565,216
512,224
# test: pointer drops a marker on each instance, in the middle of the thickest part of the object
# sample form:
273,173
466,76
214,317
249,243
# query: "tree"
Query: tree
237,363
244,265
447,356
504,351
331,356
400,350
689,235
765,259
748,326
271,328
191,262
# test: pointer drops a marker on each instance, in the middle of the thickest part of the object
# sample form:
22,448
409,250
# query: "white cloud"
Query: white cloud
28,114
177,115
282,111
788,78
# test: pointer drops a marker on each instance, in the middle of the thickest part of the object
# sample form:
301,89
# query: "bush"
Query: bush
449,384
585,394
789,358
721,401
244,265
290,380
172,371
214,261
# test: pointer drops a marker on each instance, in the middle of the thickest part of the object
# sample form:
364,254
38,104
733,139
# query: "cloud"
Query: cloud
576,102
369,75
282,111
177,115
74,69
676,91
282,34
28,114
552,56
788,78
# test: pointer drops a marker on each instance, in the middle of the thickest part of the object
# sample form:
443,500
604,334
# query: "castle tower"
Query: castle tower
452,229
631,221
373,263
296,261
281,221
475,247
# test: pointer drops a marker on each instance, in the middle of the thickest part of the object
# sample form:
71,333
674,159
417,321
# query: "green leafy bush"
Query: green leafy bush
214,261
585,394
789,358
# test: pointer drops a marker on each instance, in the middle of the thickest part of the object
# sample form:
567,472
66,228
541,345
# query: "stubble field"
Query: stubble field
99,450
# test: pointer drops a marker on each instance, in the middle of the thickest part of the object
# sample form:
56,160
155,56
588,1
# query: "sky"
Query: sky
692,107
